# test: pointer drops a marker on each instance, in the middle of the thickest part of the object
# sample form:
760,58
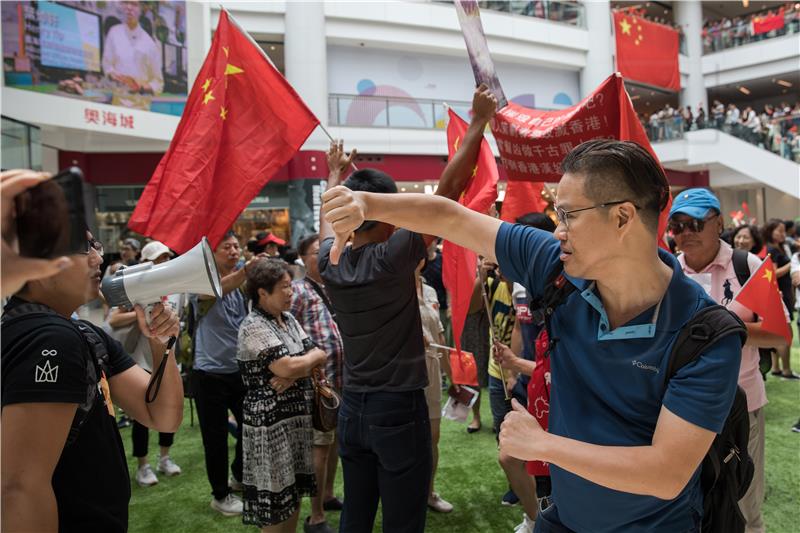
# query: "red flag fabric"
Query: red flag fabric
522,197
463,368
242,122
459,264
647,52
532,143
768,23
761,295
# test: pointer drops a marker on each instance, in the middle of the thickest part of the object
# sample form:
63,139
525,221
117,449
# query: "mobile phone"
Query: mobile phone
51,217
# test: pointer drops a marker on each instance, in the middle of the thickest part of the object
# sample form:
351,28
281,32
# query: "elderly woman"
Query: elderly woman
275,357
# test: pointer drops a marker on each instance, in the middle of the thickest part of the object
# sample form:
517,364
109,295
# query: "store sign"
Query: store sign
108,118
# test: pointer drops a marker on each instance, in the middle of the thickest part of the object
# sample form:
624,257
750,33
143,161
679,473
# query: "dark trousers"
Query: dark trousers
215,395
140,435
385,446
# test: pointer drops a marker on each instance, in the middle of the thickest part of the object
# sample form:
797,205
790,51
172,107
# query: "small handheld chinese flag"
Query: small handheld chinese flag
242,123
459,264
761,295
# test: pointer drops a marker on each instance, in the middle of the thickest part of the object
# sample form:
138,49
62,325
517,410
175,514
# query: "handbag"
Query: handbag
325,410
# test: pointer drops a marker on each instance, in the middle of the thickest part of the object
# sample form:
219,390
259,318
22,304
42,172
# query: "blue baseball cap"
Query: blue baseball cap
695,202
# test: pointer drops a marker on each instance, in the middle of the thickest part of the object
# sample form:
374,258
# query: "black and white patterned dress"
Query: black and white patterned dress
277,434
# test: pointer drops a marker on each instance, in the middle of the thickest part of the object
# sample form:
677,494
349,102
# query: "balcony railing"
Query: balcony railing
724,35
391,112
563,11
777,135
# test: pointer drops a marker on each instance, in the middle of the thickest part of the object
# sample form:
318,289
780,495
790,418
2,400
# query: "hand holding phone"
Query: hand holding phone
16,269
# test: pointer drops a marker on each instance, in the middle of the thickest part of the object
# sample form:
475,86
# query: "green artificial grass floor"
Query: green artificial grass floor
469,477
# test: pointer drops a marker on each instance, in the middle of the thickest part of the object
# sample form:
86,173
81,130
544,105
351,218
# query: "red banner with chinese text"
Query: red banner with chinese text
533,143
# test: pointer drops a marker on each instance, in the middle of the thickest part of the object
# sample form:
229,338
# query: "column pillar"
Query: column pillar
689,15
599,64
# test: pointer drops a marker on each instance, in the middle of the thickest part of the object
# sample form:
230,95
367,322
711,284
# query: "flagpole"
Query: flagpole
265,56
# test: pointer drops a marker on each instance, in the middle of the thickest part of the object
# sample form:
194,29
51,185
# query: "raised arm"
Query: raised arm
460,169
338,163
346,210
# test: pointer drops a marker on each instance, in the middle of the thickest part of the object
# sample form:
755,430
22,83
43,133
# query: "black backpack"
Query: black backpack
742,269
727,469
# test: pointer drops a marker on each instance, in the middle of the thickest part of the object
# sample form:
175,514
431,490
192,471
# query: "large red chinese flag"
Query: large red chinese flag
242,122
647,52
459,264
761,295
768,23
532,143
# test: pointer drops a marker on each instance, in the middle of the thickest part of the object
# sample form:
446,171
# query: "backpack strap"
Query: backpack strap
706,327
740,266
557,289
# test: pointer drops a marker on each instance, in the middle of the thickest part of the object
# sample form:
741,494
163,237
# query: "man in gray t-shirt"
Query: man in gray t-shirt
215,380
384,432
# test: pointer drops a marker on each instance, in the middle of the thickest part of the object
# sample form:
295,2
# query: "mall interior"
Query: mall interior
380,74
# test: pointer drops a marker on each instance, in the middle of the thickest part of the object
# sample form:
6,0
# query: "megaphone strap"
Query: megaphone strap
158,375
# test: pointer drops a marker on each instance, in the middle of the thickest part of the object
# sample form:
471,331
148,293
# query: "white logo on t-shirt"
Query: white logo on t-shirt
46,373
49,353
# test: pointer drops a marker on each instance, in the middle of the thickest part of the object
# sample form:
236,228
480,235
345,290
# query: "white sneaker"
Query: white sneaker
167,466
145,476
526,526
230,505
439,505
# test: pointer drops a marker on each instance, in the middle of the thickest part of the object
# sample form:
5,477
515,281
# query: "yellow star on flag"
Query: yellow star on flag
206,84
223,113
232,69
225,49
208,97
455,144
626,27
768,275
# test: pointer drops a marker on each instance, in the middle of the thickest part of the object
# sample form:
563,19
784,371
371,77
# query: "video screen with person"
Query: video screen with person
131,54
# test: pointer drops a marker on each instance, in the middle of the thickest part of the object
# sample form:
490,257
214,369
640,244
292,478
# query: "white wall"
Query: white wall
770,57
440,77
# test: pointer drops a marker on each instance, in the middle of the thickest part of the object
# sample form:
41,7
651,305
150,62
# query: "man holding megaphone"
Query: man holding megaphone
64,465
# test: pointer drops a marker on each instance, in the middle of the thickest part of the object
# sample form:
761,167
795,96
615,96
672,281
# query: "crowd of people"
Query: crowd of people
729,32
774,128
358,308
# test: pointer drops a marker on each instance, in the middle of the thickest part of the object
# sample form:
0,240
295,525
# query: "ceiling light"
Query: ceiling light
784,83
635,97
402,189
416,185
272,47
744,90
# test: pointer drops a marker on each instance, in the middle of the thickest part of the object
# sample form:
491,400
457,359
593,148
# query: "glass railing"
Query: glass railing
729,34
777,135
391,112
564,11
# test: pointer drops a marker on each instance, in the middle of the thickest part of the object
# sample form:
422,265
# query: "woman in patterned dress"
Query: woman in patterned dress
275,357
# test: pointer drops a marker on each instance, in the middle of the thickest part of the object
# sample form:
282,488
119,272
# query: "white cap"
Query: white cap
154,249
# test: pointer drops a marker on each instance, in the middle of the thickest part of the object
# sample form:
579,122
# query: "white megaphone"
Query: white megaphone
145,284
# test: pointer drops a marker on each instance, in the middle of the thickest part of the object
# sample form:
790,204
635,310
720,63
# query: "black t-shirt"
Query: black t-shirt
433,276
784,282
375,296
45,359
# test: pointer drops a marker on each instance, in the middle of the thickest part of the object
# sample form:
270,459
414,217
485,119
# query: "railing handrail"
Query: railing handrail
440,101
579,20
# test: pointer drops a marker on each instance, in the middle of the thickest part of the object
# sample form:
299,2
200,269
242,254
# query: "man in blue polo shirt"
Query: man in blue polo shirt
624,449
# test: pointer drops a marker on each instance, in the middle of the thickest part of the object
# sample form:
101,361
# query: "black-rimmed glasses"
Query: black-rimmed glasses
564,216
94,244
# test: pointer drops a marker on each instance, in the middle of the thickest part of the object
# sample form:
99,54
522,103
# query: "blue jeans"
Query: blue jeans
385,447
499,405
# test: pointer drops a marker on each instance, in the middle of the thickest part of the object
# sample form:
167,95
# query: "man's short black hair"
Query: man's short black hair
538,220
620,170
370,180
264,274
305,243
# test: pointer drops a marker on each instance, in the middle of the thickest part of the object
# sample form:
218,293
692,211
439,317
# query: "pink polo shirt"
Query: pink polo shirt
721,270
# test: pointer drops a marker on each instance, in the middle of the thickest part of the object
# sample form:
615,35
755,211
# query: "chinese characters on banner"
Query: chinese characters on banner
107,118
532,143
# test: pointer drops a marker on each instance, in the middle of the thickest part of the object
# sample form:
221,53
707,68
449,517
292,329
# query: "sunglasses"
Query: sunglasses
694,225
94,244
